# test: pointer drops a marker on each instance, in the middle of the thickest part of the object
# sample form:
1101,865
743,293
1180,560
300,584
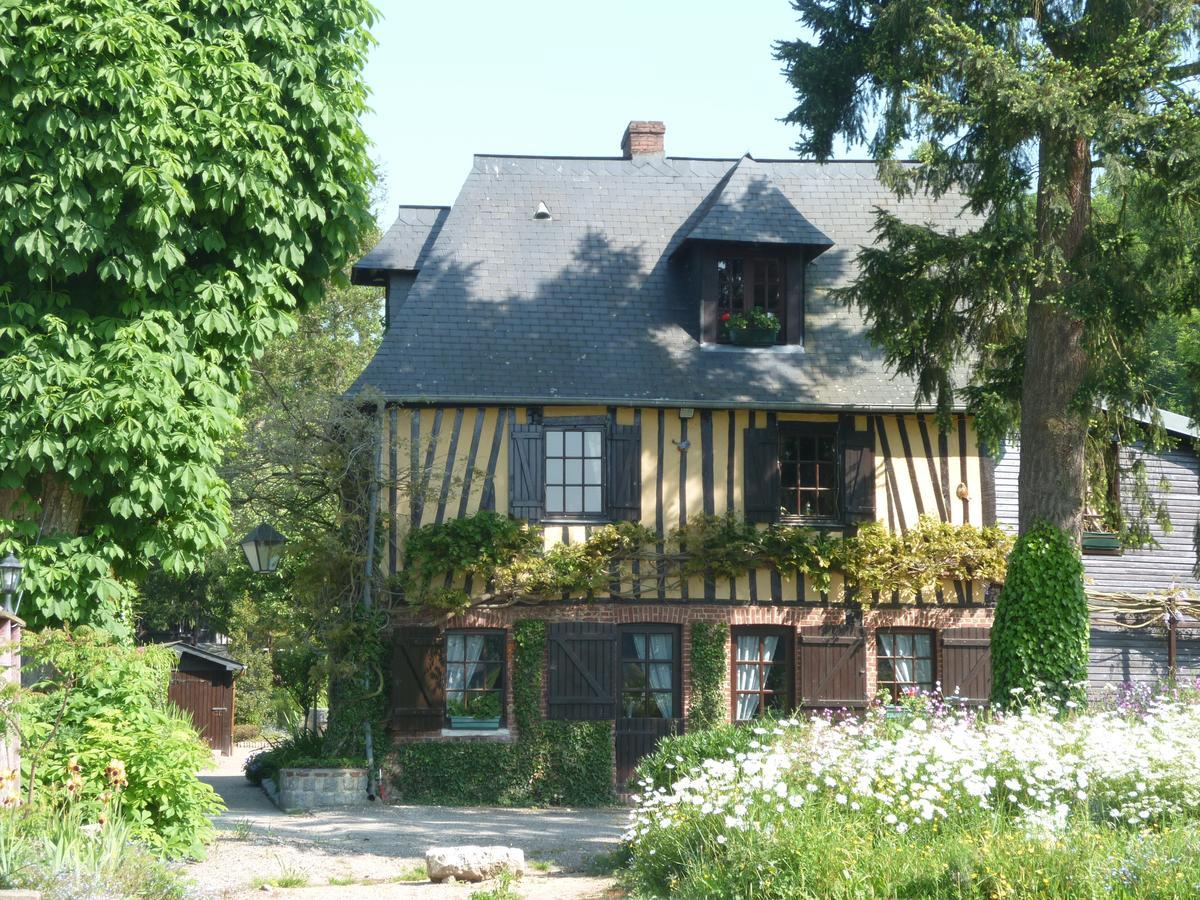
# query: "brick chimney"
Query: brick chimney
643,139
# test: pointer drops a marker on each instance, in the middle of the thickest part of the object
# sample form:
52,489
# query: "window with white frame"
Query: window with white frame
574,472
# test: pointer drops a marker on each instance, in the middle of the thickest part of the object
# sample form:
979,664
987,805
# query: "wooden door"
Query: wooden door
649,700
209,704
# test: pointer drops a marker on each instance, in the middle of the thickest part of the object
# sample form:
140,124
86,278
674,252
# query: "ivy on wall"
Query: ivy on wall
551,762
507,557
709,664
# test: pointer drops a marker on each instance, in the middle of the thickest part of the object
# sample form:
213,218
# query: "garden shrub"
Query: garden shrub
561,763
680,753
709,665
1040,632
302,749
1039,803
100,703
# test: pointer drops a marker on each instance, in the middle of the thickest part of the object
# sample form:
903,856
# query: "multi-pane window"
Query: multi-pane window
904,662
574,472
808,472
761,674
751,282
475,673
648,673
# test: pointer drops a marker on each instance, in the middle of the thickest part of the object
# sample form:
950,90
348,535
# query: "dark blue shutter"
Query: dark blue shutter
526,469
761,474
624,473
858,471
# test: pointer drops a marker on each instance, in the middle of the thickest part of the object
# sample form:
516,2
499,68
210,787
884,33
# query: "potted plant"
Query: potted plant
753,328
482,712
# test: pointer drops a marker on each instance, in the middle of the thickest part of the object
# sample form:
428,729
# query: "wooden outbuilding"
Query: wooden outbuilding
204,686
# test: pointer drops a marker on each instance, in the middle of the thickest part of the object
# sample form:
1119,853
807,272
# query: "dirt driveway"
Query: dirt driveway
379,851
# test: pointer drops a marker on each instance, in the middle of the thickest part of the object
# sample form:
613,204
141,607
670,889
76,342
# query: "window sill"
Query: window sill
495,734
577,520
778,349
819,524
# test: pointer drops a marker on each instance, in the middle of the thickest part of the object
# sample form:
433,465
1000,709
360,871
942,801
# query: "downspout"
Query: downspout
368,573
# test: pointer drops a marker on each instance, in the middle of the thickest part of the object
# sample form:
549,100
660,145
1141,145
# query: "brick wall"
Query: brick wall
686,614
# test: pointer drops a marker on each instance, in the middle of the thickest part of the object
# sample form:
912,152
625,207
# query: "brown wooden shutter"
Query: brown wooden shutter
582,684
858,471
624,473
418,680
966,664
761,474
833,668
526,467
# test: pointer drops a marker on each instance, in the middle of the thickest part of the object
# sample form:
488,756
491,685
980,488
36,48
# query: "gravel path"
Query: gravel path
373,852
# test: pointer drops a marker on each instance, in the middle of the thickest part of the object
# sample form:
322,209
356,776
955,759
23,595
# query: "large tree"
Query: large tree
176,179
1039,308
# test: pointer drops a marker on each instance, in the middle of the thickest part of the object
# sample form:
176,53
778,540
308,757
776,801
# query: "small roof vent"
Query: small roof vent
543,211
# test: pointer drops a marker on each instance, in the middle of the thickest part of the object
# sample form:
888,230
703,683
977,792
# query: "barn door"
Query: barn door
833,668
966,668
209,706
649,699
418,680
583,671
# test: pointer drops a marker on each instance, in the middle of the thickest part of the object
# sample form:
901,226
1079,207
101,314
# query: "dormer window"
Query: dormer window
736,279
750,282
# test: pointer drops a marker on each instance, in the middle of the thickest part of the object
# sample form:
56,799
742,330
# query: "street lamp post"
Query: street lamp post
10,579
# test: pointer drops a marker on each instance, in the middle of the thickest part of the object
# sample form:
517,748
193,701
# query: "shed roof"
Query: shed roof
588,306
404,246
209,653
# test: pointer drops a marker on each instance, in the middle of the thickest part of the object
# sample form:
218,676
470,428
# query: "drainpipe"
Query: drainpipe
368,573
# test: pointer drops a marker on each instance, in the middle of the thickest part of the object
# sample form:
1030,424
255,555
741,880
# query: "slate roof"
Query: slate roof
590,307
214,653
404,246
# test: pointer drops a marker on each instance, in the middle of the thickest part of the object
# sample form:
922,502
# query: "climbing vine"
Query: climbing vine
507,563
709,662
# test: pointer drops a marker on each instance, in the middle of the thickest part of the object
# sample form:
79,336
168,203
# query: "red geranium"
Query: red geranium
725,317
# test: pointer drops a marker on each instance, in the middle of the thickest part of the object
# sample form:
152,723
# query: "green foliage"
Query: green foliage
873,560
709,667
478,545
103,703
1040,633
561,763
47,850
175,181
753,318
508,554
679,754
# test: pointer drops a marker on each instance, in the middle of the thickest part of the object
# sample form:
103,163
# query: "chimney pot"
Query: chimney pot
643,139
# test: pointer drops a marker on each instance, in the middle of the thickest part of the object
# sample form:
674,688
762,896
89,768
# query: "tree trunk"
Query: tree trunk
1053,428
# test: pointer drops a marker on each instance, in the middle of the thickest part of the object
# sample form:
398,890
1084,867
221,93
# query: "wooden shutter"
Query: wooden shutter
966,664
418,680
526,467
858,471
833,668
583,671
761,474
624,473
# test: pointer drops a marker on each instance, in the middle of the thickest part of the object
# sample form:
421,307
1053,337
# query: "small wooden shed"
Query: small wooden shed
204,685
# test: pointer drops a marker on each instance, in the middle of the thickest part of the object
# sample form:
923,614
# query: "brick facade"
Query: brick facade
687,614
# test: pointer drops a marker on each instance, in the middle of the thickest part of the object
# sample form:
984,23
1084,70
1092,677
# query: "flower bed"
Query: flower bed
1044,802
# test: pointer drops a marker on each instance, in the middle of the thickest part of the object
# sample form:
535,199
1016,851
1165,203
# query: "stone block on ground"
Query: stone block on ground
473,863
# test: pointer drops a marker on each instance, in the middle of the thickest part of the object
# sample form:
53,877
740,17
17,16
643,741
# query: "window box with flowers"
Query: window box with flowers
753,328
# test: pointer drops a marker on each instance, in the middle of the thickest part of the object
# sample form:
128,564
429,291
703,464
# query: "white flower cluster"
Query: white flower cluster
1035,766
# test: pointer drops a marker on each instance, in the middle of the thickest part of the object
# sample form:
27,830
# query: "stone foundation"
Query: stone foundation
304,789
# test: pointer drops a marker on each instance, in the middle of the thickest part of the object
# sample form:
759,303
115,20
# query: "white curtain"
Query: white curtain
659,646
898,649
750,676
474,654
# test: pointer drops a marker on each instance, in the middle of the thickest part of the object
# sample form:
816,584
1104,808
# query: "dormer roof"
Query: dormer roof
404,246
748,207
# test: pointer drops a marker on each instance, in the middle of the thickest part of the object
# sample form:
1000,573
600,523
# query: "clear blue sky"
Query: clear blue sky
458,77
